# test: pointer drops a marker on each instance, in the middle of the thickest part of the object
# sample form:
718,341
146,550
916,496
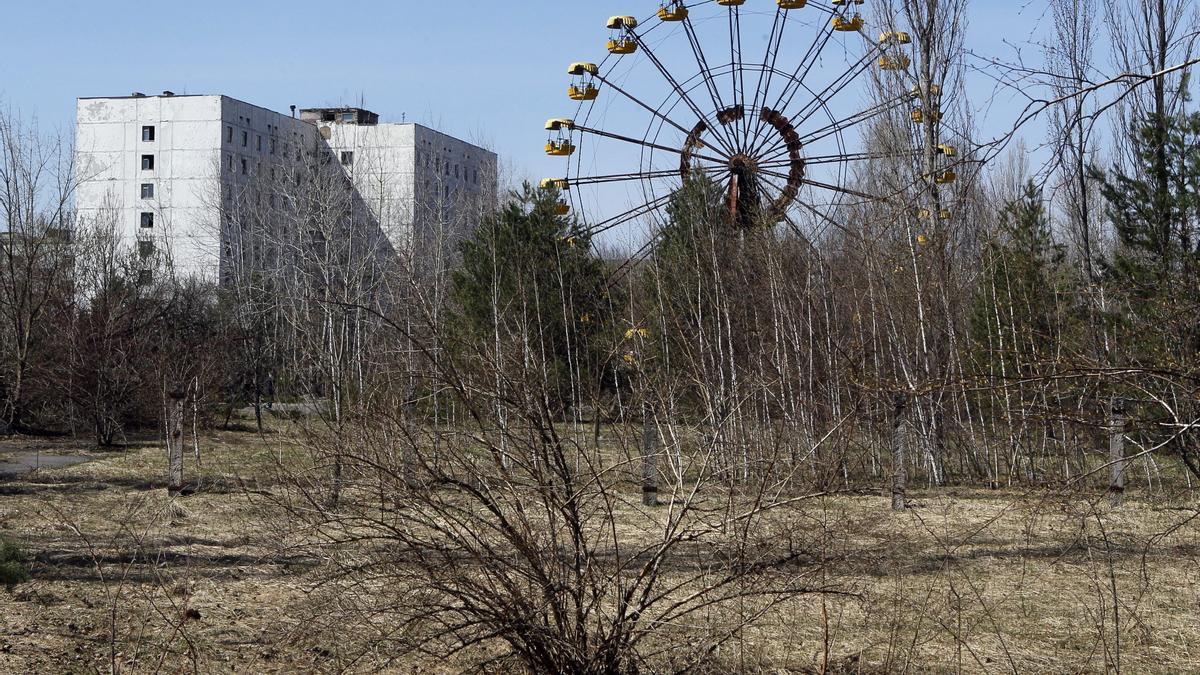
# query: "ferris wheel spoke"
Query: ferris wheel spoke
645,144
820,99
770,59
679,89
846,77
847,157
820,216
636,212
634,260
777,150
852,120
644,105
739,76
843,190
706,72
796,80
621,177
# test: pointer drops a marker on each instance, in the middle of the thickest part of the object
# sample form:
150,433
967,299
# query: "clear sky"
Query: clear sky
486,71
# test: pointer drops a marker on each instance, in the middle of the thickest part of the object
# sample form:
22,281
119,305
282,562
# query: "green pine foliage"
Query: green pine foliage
530,278
1155,210
1021,308
12,564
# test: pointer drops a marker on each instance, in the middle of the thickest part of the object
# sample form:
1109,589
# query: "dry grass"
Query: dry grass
967,580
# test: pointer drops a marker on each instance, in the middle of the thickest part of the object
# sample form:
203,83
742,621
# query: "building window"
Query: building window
147,190
347,117
231,162
145,248
245,167
147,219
347,158
258,143
147,162
245,139
147,134
228,133
272,146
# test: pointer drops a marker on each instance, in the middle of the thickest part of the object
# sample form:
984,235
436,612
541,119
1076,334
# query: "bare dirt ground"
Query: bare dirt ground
965,581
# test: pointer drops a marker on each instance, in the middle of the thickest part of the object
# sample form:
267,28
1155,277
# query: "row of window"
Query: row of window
443,165
272,144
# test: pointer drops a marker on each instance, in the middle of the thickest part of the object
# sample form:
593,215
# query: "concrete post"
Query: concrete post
649,456
899,470
1116,453
175,442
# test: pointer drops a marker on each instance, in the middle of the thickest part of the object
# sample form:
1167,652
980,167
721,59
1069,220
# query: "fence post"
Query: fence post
1116,453
899,470
649,456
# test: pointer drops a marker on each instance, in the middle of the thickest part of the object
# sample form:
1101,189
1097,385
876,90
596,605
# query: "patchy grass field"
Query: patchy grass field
965,581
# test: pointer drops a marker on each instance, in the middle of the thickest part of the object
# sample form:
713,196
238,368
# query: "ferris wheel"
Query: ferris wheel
765,99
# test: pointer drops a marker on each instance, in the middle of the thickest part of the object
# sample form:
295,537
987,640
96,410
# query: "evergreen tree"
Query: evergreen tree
1019,313
530,282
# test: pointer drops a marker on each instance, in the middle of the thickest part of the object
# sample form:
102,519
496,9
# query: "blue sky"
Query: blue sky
490,72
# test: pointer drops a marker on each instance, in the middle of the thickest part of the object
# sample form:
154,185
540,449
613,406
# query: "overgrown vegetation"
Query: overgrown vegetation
12,564
508,452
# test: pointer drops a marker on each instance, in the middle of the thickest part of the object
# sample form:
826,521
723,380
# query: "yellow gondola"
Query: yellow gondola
585,92
846,2
791,4
562,208
674,11
622,43
920,117
899,37
946,177
622,46
583,89
922,239
559,144
560,148
556,183
948,150
934,90
850,25
893,63
731,3
944,214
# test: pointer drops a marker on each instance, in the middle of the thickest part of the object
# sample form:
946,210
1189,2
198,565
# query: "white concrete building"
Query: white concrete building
162,166
407,173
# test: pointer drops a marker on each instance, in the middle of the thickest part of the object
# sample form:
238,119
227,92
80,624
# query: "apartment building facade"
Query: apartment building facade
164,170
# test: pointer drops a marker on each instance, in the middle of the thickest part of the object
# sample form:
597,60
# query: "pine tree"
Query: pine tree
530,281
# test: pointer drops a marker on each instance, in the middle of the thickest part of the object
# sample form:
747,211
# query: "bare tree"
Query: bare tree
37,184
